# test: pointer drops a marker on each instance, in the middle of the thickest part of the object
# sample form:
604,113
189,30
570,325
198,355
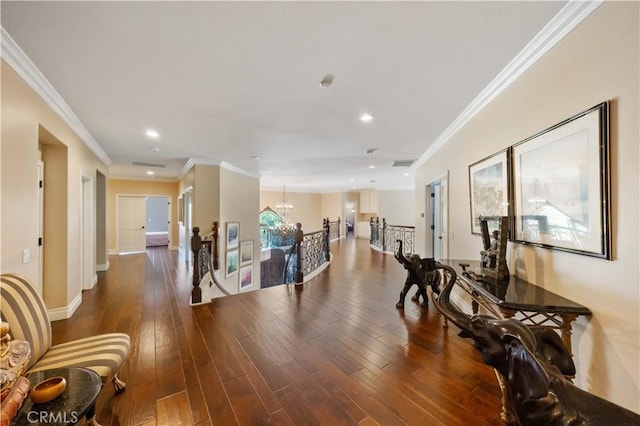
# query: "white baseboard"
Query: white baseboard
113,252
101,267
158,233
65,312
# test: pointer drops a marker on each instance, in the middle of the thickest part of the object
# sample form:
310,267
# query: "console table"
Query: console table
505,299
77,401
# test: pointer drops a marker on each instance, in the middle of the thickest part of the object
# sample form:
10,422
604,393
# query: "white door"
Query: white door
438,218
132,217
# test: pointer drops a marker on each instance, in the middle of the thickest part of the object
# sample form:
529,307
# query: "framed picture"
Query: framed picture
246,277
561,185
233,229
232,262
246,252
489,189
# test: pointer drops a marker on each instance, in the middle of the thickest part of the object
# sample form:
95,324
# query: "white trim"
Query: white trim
193,161
235,169
66,312
101,267
156,233
564,22
13,55
113,252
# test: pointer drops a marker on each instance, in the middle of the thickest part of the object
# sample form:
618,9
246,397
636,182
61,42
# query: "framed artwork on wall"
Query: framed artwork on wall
232,262
246,252
246,277
561,185
233,230
489,188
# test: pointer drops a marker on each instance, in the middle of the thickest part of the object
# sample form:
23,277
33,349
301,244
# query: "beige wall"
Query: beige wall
116,187
598,61
206,203
306,207
239,202
27,122
332,205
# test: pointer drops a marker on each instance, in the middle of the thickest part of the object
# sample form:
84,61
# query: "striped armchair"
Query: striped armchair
23,308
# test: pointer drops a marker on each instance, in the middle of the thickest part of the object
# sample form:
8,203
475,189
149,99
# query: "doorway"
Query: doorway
157,229
88,261
438,217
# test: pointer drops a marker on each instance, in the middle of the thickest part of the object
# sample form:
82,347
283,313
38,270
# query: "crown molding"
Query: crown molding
13,55
235,169
562,24
193,161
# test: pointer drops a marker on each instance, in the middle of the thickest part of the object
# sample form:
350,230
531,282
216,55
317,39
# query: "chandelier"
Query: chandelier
283,208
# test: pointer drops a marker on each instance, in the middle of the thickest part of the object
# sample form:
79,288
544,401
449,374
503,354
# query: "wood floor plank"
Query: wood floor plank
174,410
333,351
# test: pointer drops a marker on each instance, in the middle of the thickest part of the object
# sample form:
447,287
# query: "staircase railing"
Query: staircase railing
384,237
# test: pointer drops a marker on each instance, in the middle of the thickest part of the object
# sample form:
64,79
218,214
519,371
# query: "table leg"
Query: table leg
567,319
91,416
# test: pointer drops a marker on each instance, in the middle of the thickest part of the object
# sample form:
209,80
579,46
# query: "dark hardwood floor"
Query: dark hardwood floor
336,352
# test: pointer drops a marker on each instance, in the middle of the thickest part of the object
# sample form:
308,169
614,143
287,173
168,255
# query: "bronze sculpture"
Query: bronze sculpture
532,362
421,272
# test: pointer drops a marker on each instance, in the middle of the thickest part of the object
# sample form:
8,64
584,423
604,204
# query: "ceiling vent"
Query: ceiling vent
403,163
140,163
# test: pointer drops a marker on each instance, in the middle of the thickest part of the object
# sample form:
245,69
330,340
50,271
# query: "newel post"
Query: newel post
297,238
327,238
214,250
384,231
196,245
339,227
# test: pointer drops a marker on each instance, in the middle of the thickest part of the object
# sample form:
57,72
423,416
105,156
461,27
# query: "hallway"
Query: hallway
335,352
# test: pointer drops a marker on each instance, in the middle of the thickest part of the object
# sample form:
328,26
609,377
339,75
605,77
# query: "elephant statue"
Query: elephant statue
532,363
421,272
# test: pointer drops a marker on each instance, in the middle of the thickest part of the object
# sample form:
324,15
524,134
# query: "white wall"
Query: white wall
397,207
597,61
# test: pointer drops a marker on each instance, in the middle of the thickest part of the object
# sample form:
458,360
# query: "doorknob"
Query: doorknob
440,237
143,228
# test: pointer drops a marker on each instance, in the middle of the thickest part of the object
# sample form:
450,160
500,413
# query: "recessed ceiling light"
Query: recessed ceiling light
373,166
366,117
150,172
351,180
152,134
406,174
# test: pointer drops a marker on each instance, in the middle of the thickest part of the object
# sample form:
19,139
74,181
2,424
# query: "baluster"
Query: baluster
196,245
326,238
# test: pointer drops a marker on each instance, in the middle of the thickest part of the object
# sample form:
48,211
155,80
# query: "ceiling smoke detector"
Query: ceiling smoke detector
327,80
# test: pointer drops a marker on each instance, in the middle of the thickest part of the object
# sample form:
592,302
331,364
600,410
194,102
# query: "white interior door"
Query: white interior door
438,218
132,217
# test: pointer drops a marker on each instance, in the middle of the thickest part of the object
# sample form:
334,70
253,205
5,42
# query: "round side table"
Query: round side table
77,401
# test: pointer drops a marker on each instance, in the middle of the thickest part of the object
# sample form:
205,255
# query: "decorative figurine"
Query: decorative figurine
531,363
494,256
421,272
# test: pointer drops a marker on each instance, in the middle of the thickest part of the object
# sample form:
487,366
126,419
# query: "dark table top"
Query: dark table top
83,386
516,293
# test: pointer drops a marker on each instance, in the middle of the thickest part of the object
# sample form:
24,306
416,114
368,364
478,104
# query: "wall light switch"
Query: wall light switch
26,256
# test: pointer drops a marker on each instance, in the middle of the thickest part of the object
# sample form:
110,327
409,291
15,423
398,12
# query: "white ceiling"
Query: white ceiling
225,81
